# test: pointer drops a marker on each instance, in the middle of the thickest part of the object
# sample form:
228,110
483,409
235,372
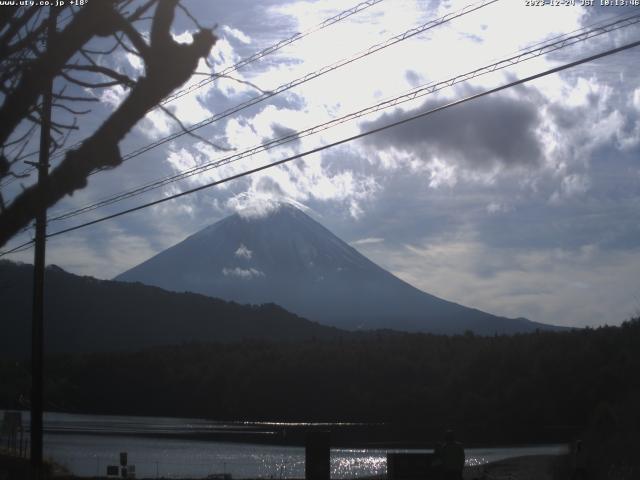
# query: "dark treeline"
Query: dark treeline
84,314
542,386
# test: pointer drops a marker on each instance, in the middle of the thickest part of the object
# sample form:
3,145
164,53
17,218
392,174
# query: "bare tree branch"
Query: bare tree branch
82,83
23,148
191,133
138,14
245,82
88,52
19,139
191,17
16,22
75,99
57,145
136,39
117,76
101,149
96,18
70,110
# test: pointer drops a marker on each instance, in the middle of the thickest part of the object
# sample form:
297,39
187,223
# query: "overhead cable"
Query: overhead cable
339,142
419,92
226,71
313,75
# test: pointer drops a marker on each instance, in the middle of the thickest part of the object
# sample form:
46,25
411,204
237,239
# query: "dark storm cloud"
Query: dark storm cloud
599,12
567,118
280,131
479,134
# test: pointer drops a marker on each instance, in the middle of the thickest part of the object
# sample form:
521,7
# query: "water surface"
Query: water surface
87,444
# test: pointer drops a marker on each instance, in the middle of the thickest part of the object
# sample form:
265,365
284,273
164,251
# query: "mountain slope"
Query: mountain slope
287,258
83,314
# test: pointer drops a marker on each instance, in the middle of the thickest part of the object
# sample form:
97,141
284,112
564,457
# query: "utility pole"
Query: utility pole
37,330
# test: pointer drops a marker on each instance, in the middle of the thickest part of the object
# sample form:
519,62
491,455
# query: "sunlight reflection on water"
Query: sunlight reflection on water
88,455
353,463
88,451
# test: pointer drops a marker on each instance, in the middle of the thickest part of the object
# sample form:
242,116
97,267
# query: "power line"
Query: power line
313,75
602,23
236,66
20,248
339,142
28,170
273,48
310,76
522,56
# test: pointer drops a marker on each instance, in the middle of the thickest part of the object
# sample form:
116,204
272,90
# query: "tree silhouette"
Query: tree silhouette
27,65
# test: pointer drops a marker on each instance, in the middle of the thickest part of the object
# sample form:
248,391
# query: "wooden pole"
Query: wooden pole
37,323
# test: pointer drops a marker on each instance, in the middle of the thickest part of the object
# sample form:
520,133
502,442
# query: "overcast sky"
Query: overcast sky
525,203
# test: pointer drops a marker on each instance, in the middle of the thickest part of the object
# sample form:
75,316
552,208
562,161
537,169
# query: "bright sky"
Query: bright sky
524,203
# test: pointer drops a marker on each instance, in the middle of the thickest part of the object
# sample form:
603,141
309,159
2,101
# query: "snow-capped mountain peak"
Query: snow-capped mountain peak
283,256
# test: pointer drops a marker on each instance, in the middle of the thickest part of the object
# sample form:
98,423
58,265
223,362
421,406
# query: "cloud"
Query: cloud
113,96
237,34
243,252
500,130
636,99
136,62
242,273
584,286
313,178
82,254
572,185
281,131
185,37
367,241
497,207
254,206
495,203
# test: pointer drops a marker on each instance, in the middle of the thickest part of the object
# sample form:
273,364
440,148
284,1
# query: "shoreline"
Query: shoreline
529,467
297,437
383,435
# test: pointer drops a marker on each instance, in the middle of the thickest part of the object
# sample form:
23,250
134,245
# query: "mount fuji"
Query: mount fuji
287,258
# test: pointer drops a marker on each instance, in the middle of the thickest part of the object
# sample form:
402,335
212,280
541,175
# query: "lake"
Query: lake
160,447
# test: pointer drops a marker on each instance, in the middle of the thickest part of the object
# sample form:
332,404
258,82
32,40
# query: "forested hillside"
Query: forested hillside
83,314
545,385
